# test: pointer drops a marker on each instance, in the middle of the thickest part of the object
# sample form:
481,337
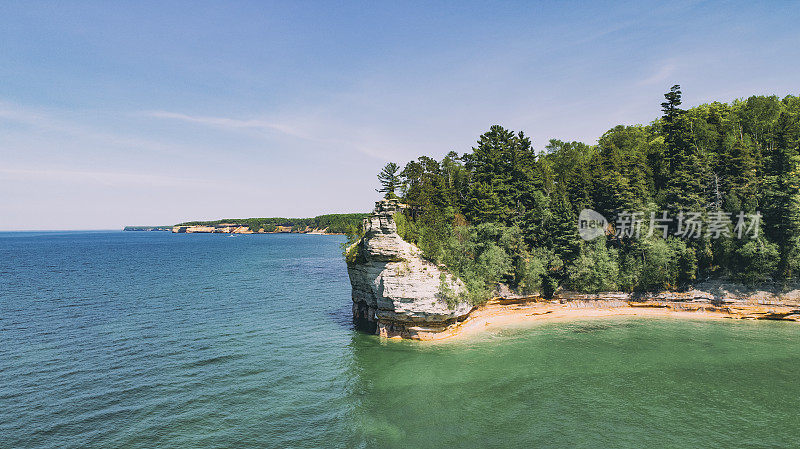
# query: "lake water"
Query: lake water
148,339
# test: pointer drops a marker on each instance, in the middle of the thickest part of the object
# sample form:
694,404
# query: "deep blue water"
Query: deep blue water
140,339
150,339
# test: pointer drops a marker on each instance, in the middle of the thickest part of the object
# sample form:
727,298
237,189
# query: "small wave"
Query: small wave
214,360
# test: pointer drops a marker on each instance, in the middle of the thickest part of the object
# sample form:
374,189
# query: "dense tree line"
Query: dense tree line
335,223
504,213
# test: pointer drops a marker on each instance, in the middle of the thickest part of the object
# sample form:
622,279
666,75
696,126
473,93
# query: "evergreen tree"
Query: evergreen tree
740,177
562,228
389,180
685,165
501,174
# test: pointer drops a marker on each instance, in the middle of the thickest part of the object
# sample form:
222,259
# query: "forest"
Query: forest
505,213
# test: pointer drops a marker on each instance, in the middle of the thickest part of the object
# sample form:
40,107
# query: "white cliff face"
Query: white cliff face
394,288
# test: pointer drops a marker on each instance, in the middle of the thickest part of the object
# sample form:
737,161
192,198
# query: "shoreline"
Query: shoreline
514,313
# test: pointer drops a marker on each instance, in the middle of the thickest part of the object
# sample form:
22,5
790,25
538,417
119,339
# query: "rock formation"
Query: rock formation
395,291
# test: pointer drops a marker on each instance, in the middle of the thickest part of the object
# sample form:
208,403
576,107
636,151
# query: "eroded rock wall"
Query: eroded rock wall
395,291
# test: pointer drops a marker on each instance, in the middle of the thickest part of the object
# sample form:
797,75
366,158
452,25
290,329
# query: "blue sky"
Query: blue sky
115,113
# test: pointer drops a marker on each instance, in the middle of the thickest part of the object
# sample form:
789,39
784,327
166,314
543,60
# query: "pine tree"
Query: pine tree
389,180
686,170
501,169
562,228
740,176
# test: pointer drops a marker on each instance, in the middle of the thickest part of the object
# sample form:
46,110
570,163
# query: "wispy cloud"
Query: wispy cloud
322,130
224,122
307,129
99,177
57,122
663,72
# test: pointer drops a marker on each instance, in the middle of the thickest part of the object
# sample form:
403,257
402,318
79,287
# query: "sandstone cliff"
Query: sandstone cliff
395,291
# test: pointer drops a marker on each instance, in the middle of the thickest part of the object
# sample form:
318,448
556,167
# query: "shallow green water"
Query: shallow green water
621,383
159,340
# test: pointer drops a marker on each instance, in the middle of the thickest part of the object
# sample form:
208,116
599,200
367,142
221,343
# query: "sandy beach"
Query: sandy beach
498,313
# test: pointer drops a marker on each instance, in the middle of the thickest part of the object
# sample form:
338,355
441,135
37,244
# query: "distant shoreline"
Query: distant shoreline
236,229
215,231
330,224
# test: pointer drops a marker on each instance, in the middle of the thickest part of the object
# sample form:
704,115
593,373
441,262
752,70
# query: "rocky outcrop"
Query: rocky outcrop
395,291
711,291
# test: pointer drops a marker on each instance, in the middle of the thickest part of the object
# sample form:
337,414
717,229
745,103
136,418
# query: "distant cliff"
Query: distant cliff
395,291
321,224
236,228
147,228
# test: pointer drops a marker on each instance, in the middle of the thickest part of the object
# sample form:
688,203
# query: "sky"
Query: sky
153,113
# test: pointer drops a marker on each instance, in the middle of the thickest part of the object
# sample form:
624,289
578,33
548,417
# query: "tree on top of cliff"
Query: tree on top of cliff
389,180
724,158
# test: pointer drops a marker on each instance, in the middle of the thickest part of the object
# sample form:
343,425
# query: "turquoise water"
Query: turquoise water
142,340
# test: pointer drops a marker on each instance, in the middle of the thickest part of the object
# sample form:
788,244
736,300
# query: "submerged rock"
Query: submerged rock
395,291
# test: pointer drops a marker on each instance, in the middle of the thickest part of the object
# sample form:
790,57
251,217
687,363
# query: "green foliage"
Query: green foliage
501,213
351,247
501,173
532,274
446,292
596,269
389,179
406,228
489,253
658,264
757,261
352,254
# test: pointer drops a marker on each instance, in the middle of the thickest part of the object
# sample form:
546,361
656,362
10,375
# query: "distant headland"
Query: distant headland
330,224
147,228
